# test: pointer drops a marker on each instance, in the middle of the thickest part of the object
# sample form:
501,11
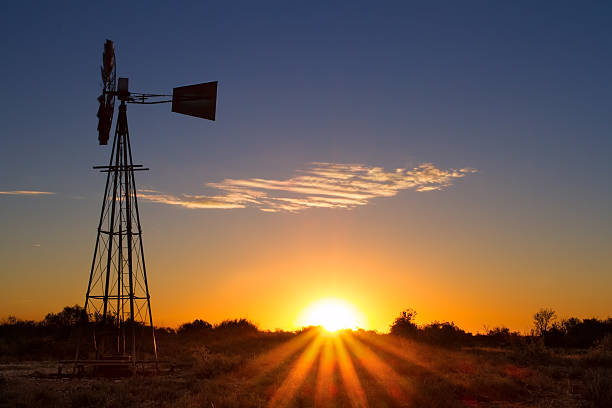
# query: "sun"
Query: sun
331,314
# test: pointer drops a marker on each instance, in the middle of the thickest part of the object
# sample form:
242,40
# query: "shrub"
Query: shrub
70,316
404,324
197,325
574,332
444,334
502,336
236,325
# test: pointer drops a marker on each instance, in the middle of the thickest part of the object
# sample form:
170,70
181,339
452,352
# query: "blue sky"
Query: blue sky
518,91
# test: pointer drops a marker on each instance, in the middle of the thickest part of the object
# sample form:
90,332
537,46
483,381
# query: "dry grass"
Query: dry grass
352,370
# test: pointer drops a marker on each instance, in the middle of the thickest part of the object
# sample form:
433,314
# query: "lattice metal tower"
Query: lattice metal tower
118,290
117,302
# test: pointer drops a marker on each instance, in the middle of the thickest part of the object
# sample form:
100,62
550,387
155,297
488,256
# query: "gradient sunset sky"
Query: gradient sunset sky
451,157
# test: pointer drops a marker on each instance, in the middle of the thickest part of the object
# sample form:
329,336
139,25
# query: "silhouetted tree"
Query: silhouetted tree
444,334
70,316
404,325
542,321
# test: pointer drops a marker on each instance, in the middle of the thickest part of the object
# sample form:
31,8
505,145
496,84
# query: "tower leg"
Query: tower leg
118,304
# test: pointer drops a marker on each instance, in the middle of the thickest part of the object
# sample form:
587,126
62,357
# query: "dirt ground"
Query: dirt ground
352,370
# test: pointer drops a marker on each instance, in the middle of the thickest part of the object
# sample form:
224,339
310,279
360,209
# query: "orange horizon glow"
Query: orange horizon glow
376,276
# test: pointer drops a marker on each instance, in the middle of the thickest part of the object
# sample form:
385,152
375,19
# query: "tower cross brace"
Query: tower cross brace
117,303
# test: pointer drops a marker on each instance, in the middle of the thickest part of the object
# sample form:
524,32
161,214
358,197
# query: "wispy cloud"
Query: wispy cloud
192,201
25,192
323,185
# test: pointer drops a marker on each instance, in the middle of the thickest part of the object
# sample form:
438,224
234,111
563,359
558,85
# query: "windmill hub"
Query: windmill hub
122,89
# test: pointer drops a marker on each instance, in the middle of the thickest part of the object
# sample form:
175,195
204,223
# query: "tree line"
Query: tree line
572,332
54,336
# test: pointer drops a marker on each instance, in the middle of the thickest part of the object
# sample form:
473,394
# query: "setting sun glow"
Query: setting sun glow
331,315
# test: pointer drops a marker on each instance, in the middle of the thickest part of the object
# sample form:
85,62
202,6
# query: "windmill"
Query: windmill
117,302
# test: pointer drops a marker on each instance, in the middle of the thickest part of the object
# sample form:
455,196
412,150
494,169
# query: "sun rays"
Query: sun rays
315,368
285,393
331,363
350,379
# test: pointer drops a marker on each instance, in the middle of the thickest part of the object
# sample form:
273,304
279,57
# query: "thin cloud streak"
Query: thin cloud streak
189,201
324,185
26,192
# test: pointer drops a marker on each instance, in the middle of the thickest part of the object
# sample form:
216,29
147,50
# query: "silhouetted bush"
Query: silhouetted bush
236,325
439,333
197,325
577,333
70,316
165,331
56,337
404,325
502,336
444,334
29,340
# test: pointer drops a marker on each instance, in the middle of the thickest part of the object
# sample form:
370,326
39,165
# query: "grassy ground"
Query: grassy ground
315,369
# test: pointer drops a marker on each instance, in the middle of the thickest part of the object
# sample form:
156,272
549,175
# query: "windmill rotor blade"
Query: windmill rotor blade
108,62
105,119
106,101
198,100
